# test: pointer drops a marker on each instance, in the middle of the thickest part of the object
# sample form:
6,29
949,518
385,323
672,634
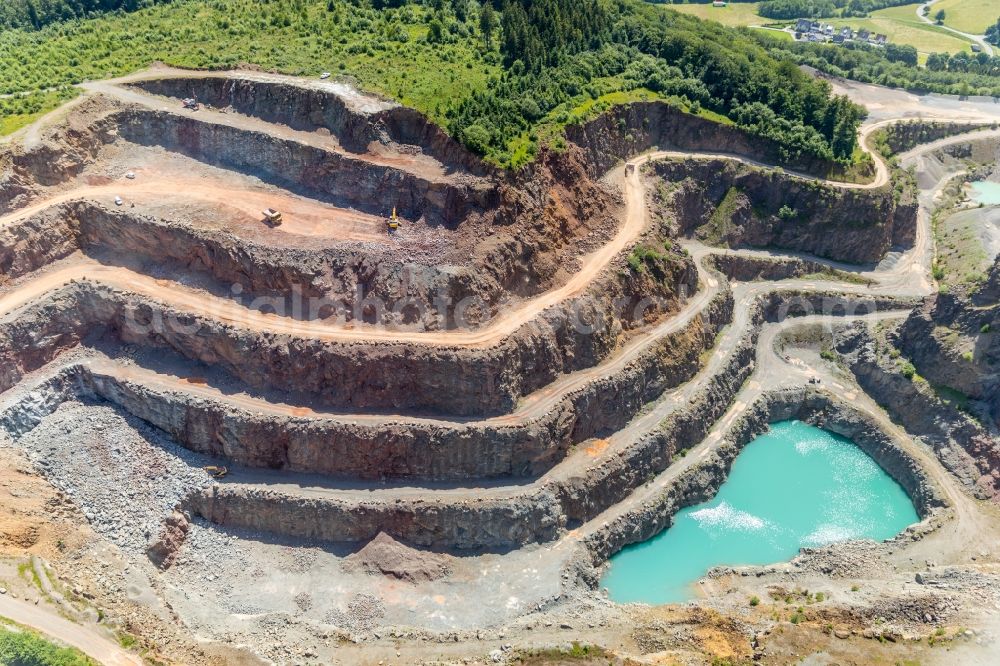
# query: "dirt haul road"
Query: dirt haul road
909,275
302,216
421,165
231,312
897,279
634,224
95,646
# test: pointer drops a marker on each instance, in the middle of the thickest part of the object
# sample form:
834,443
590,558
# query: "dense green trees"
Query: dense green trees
543,32
956,74
37,13
499,76
22,647
555,52
793,9
993,33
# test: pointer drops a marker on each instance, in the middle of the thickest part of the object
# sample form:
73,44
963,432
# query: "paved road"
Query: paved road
88,641
978,39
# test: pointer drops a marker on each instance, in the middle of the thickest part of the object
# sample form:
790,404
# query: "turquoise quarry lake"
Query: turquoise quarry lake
794,486
985,192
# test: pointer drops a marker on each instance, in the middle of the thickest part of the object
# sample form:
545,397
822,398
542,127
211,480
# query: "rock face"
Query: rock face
954,341
350,183
901,137
163,551
635,128
356,375
357,120
466,524
64,152
426,449
746,269
964,446
734,204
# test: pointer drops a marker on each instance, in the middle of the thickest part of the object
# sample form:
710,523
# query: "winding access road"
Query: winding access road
86,640
593,264
978,39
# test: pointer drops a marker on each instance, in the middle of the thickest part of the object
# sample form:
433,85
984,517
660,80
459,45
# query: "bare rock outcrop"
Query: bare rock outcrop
165,548
962,444
733,204
953,339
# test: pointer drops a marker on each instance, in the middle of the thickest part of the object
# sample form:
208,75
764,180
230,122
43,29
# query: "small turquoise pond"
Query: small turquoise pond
985,192
796,485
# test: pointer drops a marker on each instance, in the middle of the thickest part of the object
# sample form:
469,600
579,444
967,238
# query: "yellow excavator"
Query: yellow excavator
216,472
393,220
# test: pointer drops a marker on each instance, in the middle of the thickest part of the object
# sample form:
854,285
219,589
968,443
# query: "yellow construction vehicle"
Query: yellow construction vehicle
393,221
271,217
216,472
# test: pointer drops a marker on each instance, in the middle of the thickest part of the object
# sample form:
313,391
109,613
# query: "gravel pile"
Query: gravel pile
364,612
125,476
849,559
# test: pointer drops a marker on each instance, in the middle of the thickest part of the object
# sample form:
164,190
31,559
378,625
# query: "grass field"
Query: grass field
971,16
903,27
735,14
899,23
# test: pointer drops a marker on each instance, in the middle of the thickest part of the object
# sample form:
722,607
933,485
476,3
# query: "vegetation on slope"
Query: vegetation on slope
957,74
704,65
19,646
493,83
19,110
34,14
793,9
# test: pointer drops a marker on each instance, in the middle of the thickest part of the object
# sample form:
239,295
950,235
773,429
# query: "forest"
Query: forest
504,78
955,74
34,14
638,46
793,9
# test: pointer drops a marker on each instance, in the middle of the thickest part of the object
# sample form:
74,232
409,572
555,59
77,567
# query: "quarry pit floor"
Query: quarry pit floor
88,475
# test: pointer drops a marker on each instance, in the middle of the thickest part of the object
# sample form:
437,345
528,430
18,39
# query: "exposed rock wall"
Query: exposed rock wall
338,278
737,205
745,268
298,167
422,449
471,524
962,444
357,375
36,241
356,119
632,129
36,334
579,496
63,153
587,496
901,137
954,341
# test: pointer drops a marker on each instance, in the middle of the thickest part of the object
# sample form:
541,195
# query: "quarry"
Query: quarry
291,376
